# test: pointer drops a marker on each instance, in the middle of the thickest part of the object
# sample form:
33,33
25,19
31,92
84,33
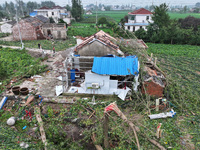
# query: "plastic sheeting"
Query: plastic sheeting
115,65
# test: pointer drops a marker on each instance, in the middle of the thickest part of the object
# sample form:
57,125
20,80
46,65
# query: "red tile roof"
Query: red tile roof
140,11
44,7
101,36
57,7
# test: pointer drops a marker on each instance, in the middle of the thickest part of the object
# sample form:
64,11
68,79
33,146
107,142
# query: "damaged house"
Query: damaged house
30,29
55,31
109,75
99,44
37,28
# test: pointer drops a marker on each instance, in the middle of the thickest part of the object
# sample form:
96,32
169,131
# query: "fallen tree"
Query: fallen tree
114,107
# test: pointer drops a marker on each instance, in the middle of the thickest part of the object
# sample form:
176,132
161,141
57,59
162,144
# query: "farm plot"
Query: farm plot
182,63
182,15
115,15
16,64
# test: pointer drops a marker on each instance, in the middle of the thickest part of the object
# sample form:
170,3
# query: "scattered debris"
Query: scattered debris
42,132
24,127
3,101
59,90
163,115
30,99
159,131
114,107
98,147
24,145
11,121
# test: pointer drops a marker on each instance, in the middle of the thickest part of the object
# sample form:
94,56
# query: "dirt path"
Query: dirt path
47,82
29,49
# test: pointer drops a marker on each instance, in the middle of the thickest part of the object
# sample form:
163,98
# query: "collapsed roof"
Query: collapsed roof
102,37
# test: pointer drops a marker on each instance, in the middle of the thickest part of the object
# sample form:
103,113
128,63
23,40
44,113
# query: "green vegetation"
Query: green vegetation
86,31
46,44
174,15
114,15
4,35
77,10
16,64
182,63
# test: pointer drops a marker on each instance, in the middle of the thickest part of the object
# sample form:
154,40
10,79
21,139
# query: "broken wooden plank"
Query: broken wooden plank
40,122
98,147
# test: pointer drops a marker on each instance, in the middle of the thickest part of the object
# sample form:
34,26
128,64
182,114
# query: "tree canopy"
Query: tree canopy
77,10
160,17
102,21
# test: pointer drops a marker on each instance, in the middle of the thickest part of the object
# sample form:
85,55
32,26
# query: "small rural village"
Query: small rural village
99,76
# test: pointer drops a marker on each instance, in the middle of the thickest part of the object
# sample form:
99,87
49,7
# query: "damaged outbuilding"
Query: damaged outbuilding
109,75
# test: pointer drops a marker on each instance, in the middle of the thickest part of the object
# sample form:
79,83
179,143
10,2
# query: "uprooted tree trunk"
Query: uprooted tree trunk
114,107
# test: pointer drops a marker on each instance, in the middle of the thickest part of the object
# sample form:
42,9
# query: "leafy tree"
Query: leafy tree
68,8
51,20
141,34
48,4
77,10
102,21
185,9
197,4
161,17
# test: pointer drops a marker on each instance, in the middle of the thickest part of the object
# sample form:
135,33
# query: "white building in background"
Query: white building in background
55,12
138,19
7,27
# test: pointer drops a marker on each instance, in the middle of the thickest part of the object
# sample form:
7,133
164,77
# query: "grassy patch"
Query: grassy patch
174,15
17,64
4,35
115,15
85,30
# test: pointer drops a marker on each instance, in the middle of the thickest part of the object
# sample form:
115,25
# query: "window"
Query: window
47,15
131,17
140,27
147,18
133,29
128,27
52,13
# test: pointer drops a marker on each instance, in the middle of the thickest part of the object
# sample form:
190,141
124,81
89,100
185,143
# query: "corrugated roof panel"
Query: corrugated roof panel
115,65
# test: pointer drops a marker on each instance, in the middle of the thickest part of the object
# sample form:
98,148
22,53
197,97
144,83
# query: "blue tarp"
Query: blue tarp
72,75
33,14
136,24
115,65
64,14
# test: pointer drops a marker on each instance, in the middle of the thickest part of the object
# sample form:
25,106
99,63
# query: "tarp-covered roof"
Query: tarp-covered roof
33,14
115,65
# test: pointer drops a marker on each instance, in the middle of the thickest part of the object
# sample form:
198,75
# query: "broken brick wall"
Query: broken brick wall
152,88
27,31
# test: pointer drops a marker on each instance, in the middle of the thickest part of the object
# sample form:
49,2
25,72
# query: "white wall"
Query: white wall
6,28
141,19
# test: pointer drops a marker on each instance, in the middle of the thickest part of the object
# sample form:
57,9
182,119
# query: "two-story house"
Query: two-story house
55,12
138,19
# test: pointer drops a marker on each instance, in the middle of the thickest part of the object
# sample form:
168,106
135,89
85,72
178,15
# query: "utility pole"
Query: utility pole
19,30
96,13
